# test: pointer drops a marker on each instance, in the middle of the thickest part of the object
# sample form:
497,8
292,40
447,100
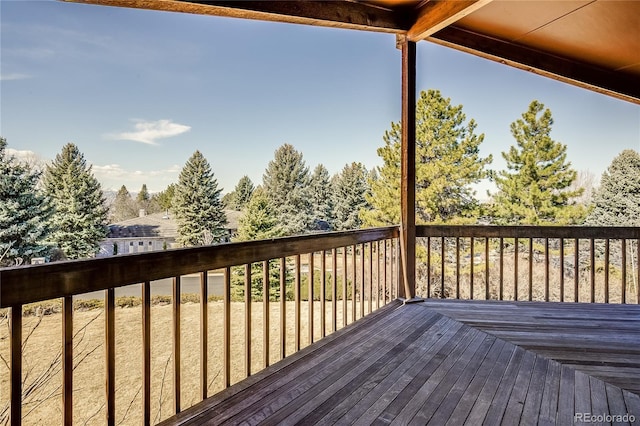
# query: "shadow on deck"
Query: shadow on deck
451,362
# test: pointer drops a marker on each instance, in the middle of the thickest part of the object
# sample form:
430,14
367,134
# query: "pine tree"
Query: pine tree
143,196
286,182
448,162
165,198
617,201
240,196
536,187
197,205
80,215
350,189
144,201
24,210
123,206
320,192
258,221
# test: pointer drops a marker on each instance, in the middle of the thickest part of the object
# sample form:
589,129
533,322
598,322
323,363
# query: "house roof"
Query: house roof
149,226
593,44
158,225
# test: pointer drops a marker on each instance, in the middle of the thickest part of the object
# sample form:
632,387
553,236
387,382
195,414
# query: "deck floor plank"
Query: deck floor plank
550,394
465,403
374,404
449,390
379,384
449,362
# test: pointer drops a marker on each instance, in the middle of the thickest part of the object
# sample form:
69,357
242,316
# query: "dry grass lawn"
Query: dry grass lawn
42,372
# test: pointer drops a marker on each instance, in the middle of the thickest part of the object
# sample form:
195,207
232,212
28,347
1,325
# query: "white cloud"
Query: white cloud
113,176
150,131
14,76
30,158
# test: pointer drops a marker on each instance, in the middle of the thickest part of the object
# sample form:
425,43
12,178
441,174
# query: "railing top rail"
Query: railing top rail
33,283
526,231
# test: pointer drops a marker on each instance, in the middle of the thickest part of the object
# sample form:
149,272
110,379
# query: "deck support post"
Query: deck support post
408,169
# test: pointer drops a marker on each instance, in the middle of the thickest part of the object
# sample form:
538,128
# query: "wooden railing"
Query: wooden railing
348,274
363,271
545,263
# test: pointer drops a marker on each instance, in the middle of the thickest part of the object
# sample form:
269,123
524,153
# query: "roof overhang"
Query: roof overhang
594,44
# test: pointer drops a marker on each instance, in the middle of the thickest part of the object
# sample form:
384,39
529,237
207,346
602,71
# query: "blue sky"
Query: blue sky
140,91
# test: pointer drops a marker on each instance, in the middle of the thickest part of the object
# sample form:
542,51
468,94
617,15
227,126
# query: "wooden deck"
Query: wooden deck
450,362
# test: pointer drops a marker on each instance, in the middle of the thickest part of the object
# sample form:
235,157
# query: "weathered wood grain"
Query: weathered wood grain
446,362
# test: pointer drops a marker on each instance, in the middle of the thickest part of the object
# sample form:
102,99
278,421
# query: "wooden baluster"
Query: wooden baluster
576,272
471,265
623,292
310,297
487,294
248,302
592,261
562,269
530,269
67,359
334,290
146,352
606,270
204,332
323,294
265,313
442,271
16,365
378,274
283,308
110,356
226,326
384,269
501,289
638,274
546,269
344,286
353,283
362,280
176,343
297,319
457,267
428,267
516,255
370,277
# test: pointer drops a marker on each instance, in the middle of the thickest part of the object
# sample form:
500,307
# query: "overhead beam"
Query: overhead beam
607,82
436,15
338,14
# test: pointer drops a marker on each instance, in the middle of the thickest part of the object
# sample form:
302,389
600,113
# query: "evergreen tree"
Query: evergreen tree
448,162
286,182
239,198
617,201
80,215
321,196
259,220
257,223
536,187
24,210
197,205
143,196
144,201
350,189
165,198
123,207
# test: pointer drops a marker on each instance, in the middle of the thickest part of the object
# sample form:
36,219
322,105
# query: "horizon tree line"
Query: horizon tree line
61,209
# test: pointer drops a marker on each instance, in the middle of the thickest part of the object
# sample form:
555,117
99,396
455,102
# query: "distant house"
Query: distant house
151,232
